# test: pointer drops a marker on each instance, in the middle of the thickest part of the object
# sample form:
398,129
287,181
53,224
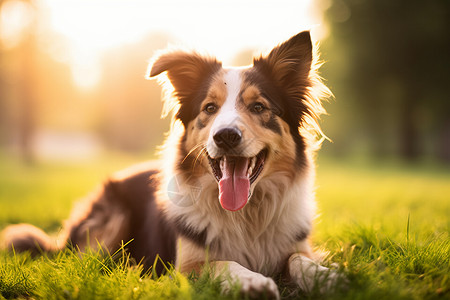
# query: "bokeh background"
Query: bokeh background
72,73
75,106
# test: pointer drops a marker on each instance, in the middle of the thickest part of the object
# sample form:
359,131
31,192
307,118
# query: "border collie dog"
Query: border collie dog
235,187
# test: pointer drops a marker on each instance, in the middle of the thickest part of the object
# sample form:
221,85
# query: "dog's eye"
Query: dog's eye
210,108
257,107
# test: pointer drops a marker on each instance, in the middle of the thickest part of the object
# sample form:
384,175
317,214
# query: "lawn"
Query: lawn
386,226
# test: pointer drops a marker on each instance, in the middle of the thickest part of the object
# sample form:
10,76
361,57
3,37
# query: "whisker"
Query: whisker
200,154
192,150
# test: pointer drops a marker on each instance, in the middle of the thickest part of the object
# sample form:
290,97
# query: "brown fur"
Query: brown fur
175,208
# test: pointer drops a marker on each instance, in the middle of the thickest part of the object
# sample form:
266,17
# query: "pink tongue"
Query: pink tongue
235,184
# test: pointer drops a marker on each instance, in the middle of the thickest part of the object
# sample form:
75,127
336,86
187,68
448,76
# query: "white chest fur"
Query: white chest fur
262,234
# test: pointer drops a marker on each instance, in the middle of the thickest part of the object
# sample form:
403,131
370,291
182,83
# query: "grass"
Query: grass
95,276
385,225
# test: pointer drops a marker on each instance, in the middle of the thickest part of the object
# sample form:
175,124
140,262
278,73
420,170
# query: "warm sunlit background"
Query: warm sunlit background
75,106
72,73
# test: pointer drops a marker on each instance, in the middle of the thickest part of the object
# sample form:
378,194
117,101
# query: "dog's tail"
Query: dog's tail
26,237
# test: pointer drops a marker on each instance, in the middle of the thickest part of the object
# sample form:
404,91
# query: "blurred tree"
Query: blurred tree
27,121
3,95
38,92
392,74
20,35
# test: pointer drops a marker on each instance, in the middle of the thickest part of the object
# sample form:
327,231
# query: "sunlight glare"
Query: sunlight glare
223,28
15,18
86,70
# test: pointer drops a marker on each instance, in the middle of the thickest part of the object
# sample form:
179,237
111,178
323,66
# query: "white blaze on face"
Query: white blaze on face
228,115
234,185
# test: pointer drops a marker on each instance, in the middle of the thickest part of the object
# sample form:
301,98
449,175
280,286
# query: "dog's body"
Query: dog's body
236,185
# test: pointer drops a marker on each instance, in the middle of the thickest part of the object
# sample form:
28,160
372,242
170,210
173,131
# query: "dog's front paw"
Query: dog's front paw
252,284
256,285
329,279
310,276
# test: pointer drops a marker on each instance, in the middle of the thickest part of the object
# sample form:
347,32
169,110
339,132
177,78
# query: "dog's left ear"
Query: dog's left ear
289,63
185,70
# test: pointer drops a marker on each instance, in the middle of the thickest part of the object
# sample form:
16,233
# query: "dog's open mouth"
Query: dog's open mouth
235,174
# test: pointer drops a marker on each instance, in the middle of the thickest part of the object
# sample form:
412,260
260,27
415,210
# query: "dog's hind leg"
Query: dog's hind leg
99,219
26,237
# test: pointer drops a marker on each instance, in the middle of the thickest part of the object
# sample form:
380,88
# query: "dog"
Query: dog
235,190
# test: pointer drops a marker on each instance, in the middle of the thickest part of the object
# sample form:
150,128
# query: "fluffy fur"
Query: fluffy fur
236,188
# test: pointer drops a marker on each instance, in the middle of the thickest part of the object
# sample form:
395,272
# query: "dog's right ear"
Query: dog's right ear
185,70
289,63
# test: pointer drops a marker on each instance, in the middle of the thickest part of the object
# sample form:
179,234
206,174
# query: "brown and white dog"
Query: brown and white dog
236,188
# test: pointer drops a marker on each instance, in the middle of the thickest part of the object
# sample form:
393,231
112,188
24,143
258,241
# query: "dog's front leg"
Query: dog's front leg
252,283
308,273
191,257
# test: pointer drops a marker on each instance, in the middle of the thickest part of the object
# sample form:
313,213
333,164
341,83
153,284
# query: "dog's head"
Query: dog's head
245,121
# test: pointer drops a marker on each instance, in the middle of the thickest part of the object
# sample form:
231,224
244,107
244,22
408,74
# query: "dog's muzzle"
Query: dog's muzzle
235,174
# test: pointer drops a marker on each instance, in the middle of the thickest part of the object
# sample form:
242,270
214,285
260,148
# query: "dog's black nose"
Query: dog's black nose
227,138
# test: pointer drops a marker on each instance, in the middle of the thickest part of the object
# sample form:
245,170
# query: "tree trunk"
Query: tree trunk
409,144
444,142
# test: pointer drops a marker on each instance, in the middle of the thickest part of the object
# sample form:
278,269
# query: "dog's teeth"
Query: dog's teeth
251,166
252,162
222,163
